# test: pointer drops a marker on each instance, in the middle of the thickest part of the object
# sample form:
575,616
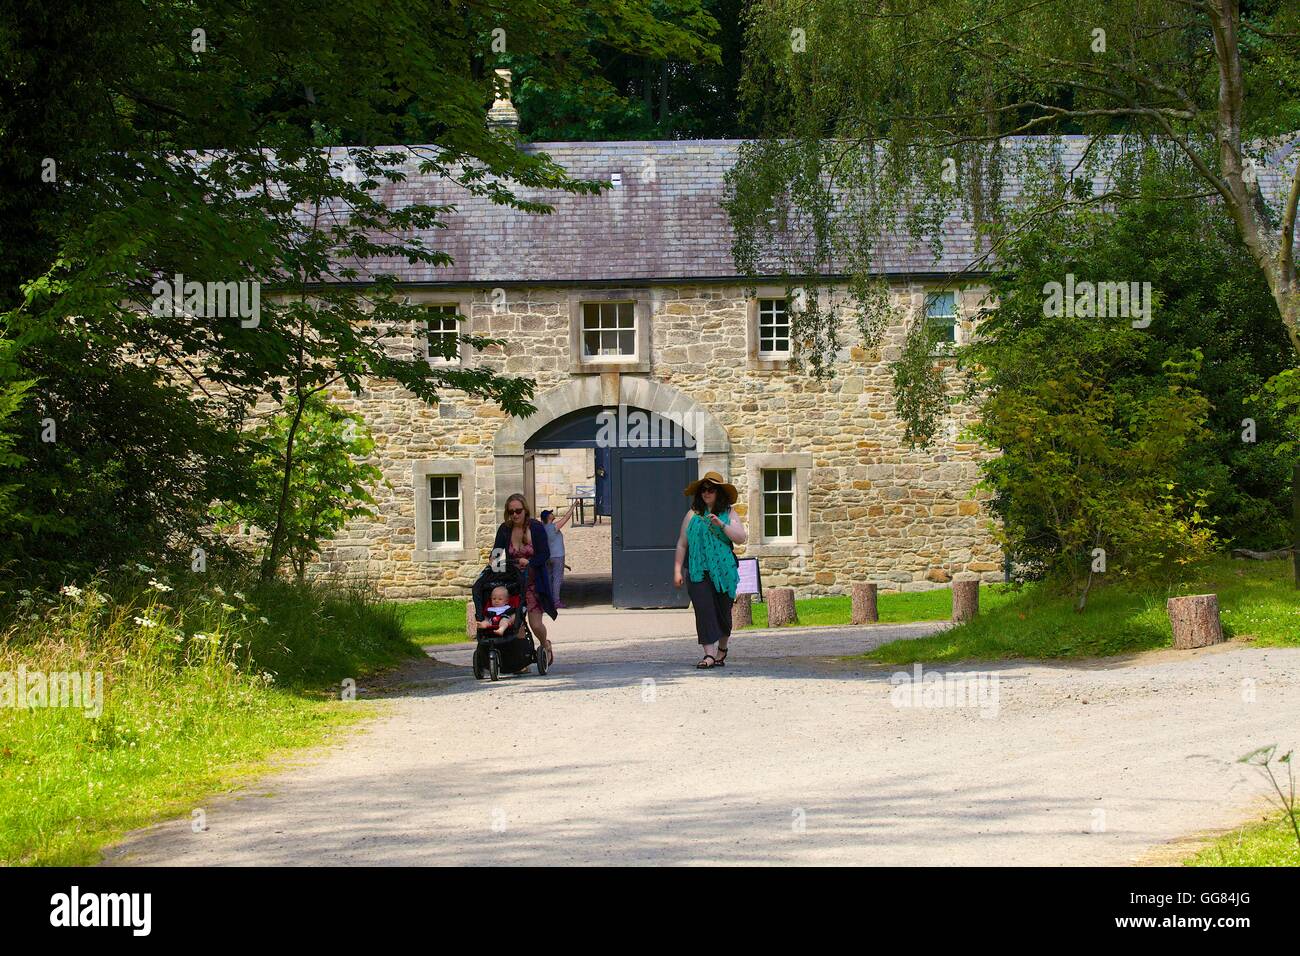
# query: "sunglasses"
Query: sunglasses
707,489
514,511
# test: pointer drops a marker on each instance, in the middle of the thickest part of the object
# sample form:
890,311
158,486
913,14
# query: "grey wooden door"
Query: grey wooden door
646,487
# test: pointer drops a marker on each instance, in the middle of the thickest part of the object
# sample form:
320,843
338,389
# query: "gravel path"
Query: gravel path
625,754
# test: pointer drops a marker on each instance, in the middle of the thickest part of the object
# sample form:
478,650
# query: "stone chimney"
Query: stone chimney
503,114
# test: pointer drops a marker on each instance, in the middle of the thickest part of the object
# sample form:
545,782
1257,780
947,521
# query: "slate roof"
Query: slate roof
669,227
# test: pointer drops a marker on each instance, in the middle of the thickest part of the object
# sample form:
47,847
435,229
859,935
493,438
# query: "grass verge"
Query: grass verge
1256,599
201,685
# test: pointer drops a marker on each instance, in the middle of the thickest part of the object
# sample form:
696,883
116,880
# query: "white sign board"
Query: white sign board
750,581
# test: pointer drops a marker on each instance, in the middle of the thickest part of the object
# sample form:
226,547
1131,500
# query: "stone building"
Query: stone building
629,303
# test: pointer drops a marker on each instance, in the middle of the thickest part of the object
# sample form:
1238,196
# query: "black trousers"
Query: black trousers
712,610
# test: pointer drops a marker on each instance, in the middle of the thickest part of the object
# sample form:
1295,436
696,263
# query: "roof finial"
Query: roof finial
503,114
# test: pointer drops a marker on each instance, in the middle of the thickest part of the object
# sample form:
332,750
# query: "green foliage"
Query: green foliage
660,70
1211,301
329,478
142,142
204,677
880,120
920,397
1256,601
13,395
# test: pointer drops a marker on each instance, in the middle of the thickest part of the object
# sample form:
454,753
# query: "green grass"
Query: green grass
1256,599
201,696
1270,842
434,622
893,608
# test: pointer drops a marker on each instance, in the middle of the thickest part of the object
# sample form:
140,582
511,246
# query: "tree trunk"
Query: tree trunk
1295,523
780,607
742,612
965,600
864,604
276,548
1195,620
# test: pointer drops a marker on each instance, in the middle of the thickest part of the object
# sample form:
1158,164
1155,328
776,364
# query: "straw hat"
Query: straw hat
713,478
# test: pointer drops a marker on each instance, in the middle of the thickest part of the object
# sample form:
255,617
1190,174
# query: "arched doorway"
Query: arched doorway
657,440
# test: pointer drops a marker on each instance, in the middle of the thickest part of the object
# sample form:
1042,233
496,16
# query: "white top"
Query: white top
499,610
554,539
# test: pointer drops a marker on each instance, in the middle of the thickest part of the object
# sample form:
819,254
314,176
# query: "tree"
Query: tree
884,119
329,483
204,140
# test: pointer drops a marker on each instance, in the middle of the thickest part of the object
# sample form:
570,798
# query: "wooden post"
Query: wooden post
965,600
1195,620
742,612
864,604
780,607
471,625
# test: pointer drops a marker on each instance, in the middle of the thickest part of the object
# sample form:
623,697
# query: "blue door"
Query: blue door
648,506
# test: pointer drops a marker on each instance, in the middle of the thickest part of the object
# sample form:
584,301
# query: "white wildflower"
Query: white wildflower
70,590
239,595
216,589
158,585
145,622
264,620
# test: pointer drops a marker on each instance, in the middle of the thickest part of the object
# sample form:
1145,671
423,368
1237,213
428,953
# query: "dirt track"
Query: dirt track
625,754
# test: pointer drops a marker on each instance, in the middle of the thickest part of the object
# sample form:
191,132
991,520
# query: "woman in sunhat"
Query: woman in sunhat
709,531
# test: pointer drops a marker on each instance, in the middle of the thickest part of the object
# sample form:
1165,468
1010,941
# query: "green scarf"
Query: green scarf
707,550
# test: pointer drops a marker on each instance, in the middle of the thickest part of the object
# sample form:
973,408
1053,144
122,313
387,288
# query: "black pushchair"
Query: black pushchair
515,650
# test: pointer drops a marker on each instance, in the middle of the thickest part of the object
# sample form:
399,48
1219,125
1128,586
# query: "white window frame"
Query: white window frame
620,308
426,549
639,360
793,513
928,300
430,357
772,354
800,543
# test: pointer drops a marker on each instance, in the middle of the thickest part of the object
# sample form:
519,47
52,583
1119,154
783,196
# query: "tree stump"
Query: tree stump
1195,620
864,604
965,600
742,611
471,625
780,607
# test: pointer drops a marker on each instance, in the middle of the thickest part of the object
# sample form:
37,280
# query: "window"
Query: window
778,504
608,330
941,315
773,328
440,337
444,511
444,490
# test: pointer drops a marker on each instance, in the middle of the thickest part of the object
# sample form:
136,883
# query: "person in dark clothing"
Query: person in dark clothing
521,540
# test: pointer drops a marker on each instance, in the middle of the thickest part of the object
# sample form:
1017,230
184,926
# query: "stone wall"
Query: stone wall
876,510
557,471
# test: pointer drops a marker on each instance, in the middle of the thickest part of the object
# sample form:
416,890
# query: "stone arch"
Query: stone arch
598,391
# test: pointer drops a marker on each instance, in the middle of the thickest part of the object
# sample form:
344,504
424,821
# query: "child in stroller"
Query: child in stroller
505,642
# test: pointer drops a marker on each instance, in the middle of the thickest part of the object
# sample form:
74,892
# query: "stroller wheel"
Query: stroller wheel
478,664
494,664
539,653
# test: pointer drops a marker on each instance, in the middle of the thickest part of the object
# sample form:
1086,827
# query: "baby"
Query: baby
499,612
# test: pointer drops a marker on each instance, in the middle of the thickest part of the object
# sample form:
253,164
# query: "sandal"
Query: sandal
701,666
722,661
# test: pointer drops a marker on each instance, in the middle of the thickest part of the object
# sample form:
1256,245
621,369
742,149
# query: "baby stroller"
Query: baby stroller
515,650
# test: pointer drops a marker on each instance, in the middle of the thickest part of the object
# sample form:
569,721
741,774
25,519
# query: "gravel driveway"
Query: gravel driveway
625,754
